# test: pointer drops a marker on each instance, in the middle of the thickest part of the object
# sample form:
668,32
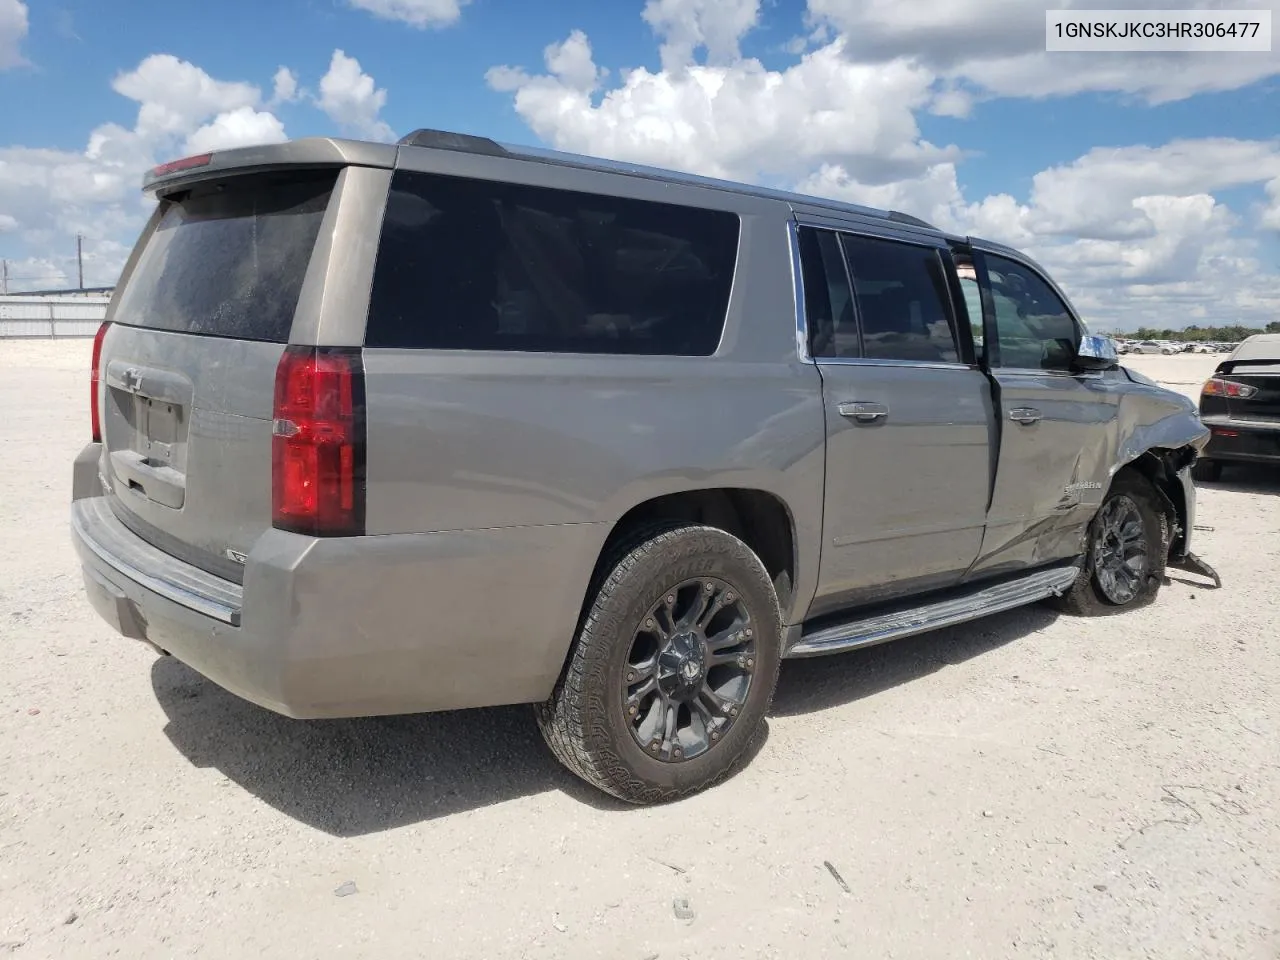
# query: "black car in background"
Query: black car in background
1240,404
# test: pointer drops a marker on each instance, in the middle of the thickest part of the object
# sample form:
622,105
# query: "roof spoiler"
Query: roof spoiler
310,152
1228,366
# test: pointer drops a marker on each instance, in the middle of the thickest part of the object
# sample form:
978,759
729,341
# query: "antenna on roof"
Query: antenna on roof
461,142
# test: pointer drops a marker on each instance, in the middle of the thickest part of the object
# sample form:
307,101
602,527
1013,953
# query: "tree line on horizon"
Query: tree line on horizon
1194,334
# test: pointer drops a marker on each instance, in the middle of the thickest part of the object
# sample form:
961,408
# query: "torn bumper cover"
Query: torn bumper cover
1180,555
1193,564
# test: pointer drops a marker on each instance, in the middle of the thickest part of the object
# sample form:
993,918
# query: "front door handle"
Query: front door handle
863,411
1024,415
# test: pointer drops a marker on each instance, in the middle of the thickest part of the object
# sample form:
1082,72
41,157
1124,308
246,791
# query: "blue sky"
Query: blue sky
1149,184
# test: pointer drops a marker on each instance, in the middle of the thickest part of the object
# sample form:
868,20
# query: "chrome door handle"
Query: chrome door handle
1024,415
863,411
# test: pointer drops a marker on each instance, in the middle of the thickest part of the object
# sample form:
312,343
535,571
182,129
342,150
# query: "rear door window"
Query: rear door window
485,265
228,259
902,300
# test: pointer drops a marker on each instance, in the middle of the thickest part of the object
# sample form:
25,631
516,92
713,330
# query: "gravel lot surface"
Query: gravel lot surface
1025,786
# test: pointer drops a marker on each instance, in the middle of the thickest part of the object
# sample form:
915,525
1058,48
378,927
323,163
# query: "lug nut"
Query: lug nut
750,662
671,598
729,598
710,587
733,711
632,711
649,622
748,631
631,675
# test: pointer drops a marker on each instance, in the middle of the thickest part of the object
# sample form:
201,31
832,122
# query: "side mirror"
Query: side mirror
1097,353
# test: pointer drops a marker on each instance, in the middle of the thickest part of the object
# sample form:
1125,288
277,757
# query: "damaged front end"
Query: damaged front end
1161,436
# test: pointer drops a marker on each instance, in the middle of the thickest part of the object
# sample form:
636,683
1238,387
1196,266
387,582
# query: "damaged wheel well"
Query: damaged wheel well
1160,466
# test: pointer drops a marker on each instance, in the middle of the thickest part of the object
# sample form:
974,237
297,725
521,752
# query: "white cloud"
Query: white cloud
241,127
35,273
176,95
284,86
1270,217
13,28
51,195
688,25
1095,195
351,100
417,13
7,223
738,120
1136,233
998,45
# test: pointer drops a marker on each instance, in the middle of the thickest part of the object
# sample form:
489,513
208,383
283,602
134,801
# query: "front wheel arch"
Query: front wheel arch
1160,468
1087,596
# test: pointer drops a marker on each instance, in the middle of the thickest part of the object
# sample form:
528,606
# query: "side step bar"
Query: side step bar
866,631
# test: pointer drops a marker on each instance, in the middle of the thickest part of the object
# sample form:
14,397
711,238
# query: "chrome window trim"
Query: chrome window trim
797,282
878,362
1040,372
875,229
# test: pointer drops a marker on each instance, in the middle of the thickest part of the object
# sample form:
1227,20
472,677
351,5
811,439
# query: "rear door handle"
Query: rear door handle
1024,415
863,411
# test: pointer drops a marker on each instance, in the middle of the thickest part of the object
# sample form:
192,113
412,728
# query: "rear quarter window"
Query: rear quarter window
482,265
228,259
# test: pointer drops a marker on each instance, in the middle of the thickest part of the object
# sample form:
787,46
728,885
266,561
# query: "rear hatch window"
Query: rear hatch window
229,262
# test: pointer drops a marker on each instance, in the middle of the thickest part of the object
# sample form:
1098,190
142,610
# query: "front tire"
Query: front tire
1126,550
673,668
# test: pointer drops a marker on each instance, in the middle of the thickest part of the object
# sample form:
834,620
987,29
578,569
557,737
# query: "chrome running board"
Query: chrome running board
866,631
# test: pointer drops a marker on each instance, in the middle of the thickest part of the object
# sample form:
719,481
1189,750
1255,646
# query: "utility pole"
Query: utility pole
80,260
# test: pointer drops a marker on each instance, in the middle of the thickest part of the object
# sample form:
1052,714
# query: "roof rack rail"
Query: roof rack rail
908,218
445,140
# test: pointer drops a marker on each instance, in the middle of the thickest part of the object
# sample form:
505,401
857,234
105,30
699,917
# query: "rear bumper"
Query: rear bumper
1244,441
354,627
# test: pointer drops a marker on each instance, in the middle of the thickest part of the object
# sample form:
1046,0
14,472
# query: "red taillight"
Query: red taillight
317,442
1220,387
95,379
186,163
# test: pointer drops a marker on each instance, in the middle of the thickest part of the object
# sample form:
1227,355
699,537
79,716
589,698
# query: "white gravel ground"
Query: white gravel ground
1026,786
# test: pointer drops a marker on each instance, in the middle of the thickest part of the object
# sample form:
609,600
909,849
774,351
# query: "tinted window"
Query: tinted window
901,293
1033,325
829,316
481,265
228,260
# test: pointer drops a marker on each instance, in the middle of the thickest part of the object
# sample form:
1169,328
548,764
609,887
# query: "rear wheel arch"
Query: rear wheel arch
760,519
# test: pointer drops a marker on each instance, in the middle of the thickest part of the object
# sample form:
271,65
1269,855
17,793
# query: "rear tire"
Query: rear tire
673,669
1126,550
1207,471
